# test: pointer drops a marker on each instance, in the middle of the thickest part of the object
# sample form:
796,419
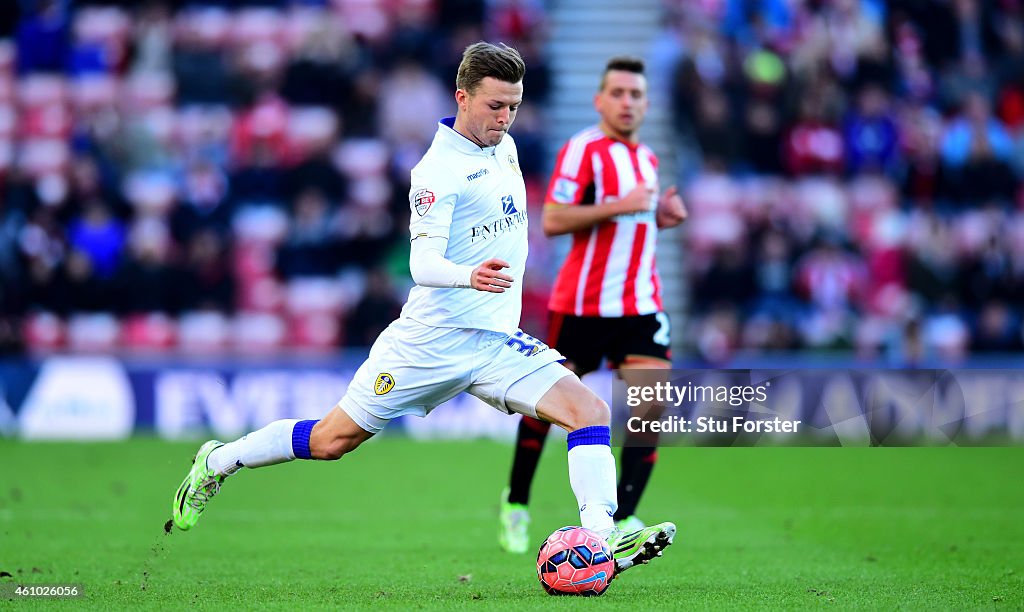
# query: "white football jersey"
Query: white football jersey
475,197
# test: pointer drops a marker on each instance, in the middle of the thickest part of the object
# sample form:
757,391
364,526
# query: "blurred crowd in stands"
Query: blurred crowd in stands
225,175
856,176
233,175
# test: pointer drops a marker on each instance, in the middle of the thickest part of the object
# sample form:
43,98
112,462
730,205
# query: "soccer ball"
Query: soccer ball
575,561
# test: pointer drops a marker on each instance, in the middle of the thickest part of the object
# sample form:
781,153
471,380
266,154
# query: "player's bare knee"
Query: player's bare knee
333,449
328,452
331,443
335,436
589,410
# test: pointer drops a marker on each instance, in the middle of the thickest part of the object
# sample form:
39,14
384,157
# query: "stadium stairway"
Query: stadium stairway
584,34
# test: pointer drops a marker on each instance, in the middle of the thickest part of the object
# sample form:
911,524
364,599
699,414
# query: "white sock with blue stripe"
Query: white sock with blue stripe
278,442
592,477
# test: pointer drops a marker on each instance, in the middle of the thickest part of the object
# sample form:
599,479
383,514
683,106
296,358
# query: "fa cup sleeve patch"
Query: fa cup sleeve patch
564,191
422,200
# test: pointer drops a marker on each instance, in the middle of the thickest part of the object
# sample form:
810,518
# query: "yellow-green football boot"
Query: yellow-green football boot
197,489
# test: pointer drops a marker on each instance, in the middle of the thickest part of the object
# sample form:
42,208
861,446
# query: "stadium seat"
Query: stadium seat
151,331
366,18
203,125
44,156
94,91
261,294
260,224
203,332
267,121
153,192
7,87
44,331
259,332
51,120
262,59
96,332
315,295
8,121
301,21
210,25
310,129
36,90
102,33
8,52
362,157
256,24
319,332
6,155
140,92
106,25
824,201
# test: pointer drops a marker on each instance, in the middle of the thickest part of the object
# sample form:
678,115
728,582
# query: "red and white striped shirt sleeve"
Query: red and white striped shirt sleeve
572,175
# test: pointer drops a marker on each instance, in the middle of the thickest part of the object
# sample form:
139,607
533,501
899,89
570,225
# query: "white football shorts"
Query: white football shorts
413,368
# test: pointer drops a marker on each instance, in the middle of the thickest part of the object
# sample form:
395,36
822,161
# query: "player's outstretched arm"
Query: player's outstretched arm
564,219
671,209
430,268
489,277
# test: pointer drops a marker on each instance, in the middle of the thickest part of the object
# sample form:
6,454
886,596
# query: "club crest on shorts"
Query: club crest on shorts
385,382
422,200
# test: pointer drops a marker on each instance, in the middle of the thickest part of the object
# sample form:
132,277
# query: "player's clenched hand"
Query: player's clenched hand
637,200
488,276
671,209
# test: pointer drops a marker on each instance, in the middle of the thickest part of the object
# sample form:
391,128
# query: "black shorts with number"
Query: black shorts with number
585,341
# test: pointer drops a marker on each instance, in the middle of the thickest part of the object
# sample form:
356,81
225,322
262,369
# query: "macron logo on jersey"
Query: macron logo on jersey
477,174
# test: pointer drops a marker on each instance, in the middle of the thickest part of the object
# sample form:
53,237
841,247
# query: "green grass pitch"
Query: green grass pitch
403,524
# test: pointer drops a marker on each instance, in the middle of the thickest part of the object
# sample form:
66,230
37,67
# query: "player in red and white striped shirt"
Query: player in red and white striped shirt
606,303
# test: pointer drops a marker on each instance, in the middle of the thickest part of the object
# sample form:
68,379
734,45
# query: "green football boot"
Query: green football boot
632,548
630,523
197,489
514,536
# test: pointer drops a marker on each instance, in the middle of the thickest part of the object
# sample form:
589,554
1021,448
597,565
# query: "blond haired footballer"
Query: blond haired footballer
458,331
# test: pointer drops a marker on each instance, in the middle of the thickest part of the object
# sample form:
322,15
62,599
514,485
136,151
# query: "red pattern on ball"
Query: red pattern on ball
575,561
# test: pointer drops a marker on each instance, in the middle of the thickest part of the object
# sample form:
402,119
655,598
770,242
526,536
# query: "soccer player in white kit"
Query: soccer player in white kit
459,328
